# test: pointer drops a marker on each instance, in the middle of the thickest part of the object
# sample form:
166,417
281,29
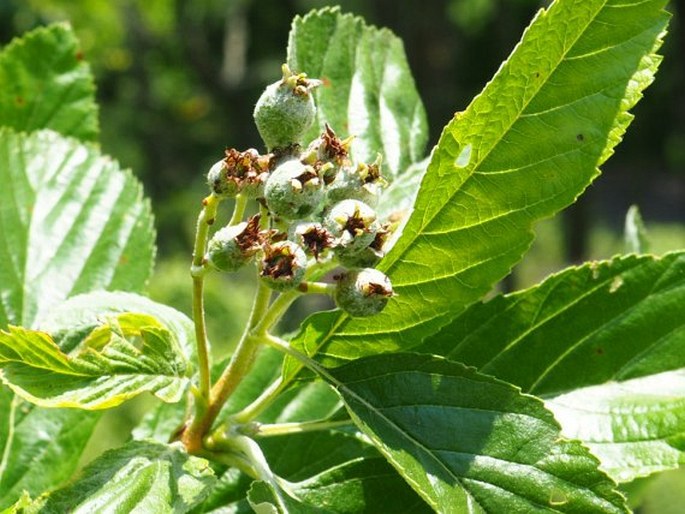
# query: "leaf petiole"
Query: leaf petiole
260,403
204,221
238,209
275,429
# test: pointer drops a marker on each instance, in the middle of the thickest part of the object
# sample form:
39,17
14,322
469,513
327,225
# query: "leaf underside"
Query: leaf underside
635,428
72,222
106,370
68,204
368,91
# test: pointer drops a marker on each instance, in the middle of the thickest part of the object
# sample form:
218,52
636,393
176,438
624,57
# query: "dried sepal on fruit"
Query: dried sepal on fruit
362,182
313,237
283,265
231,247
286,109
293,190
328,154
363,292
239,172
366,257
353,224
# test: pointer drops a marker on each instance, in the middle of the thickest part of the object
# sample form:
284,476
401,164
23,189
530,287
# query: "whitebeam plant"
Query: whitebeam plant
413,394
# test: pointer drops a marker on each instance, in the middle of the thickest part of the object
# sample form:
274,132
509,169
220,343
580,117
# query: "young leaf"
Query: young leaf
40,448
467,442
368,90
635,233
46,84
635,428
72,222
106,370
604,321
142,476
84,312
524,149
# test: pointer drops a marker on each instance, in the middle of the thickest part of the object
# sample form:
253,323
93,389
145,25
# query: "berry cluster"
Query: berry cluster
317,204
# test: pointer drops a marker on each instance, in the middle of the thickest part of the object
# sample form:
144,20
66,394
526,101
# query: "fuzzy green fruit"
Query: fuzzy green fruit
239,172
363,292
293,191
353,224
362,182
232,247
283,265
312,237
286,110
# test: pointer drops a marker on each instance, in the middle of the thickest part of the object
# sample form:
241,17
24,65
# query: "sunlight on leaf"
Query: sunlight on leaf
106,370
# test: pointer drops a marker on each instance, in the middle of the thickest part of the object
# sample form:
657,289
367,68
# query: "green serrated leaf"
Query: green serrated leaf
603,321
525,148
103,372
339,472
467,442
40,448
72,222
142,476
368,88
298,457
46,84
635,428
363,485
607,330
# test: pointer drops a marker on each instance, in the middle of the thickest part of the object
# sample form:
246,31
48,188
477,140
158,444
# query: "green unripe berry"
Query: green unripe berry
293,190
239,172
232,247
367,257
353,224
283,265
312,237
363,292
328,154
362,182
286,110
218,184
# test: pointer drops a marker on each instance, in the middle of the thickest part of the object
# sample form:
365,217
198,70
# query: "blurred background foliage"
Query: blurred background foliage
177,81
